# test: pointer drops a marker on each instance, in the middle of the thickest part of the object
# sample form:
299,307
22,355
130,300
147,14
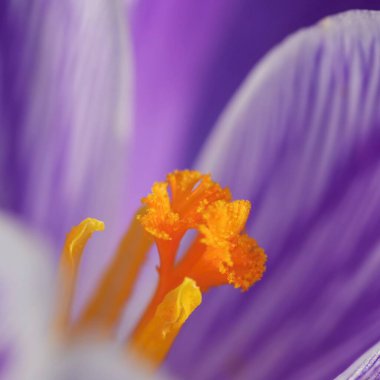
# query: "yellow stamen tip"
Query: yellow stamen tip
78,236
75,244
155,340
177,306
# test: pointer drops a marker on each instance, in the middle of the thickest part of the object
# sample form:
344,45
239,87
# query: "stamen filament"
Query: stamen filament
107,304
71,256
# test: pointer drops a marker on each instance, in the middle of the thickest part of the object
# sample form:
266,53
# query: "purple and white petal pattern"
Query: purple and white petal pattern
65,74
191,56
301,140
367,367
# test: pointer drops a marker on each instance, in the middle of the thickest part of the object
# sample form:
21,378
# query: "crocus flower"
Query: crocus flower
299,140
221,253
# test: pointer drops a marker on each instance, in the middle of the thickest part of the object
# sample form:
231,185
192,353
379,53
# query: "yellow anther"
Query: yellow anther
155,339
75,244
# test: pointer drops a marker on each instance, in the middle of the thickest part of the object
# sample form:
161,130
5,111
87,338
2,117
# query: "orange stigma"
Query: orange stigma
220,253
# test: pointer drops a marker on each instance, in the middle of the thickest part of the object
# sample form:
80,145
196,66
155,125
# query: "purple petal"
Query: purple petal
64,111
191,56
301,140
366,367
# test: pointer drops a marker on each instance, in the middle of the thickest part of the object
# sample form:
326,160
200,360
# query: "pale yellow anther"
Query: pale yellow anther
75,244
77,238
155,339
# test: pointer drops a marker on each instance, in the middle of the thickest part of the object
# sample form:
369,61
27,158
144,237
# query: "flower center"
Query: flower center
220,253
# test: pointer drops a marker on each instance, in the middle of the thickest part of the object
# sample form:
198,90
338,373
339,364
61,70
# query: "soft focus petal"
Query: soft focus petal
27,347
191,55
301,140
25,302
99,362
65,107
365,368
